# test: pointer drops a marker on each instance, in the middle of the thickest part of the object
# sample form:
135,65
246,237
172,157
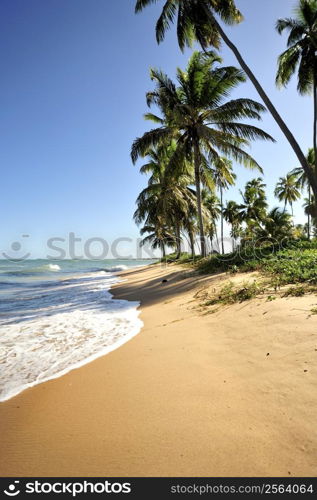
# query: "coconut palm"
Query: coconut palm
311,211
211,203
190,226
165,206
224,178
231,215
277,225
253,210
204,122
160,236
303,182
287,190
166,202
197,20
300,55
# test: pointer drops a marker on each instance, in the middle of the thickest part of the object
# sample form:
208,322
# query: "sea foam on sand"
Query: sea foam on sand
61,328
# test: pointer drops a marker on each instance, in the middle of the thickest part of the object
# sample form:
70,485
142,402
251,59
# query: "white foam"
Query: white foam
61,330
54,267
116,269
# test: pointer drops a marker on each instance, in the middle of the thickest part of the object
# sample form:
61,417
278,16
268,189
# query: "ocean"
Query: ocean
56,316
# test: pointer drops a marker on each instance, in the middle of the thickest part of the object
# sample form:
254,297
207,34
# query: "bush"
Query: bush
230,294
295,262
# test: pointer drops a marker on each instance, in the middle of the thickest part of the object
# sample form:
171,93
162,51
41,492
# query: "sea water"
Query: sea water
56,316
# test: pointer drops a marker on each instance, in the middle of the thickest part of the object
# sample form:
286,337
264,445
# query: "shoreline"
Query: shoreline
192,394
137,325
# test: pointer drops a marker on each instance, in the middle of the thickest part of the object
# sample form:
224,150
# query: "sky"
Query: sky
74,74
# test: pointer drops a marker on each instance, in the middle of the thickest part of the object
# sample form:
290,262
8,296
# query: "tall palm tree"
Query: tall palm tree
311,211
205,124
166,202
224,178
211,203
253,210
303,182
231,215
287,190
300,55
165,206
197,20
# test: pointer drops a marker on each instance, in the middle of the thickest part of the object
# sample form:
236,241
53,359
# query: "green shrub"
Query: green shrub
295,291
229,294
296,262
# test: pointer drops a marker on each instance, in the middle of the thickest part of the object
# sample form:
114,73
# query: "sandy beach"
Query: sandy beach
194,394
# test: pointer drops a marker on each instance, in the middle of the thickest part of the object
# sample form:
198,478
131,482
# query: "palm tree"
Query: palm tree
204,123
231,215
165,207
303,182
211,203
300,54
311,211
253,210
190,226
159,237
277,225
287,190
166,202
196,20
224,177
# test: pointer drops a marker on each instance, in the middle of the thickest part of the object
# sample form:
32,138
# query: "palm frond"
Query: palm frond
165,20
153,118
287,64
248,132
141,4
151,139
235,109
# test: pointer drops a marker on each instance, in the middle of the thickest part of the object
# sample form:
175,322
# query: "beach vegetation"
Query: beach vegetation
231,294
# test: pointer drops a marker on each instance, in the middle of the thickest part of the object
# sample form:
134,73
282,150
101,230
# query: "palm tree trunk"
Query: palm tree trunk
268,103
217,239
315,131
163,250
315,120
221,219
211,238
308,215
198,195
178,239
192,243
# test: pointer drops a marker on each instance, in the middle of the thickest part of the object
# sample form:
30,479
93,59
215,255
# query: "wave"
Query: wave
33,270
115,269
53,267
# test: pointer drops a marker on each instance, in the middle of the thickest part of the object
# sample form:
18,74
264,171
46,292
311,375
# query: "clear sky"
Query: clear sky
73,78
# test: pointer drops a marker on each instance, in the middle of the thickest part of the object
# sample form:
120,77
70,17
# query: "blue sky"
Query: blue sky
73,78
